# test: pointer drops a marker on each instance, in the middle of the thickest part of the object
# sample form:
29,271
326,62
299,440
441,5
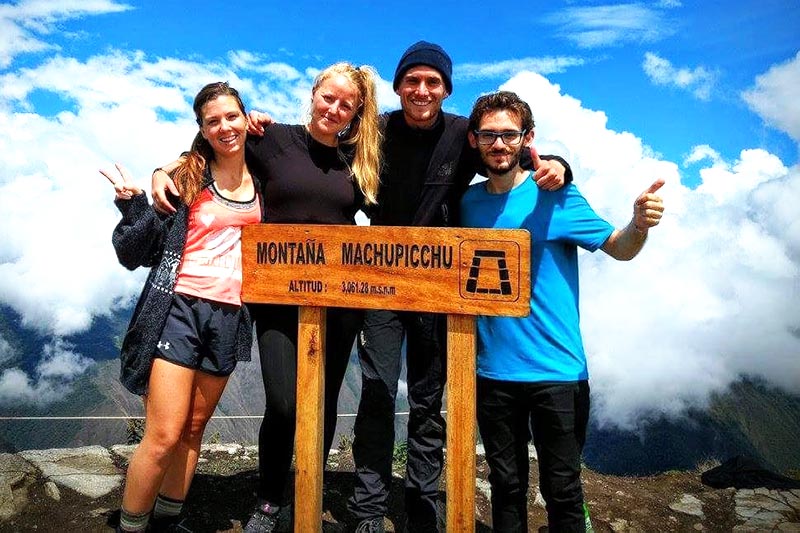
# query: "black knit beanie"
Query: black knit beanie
428,54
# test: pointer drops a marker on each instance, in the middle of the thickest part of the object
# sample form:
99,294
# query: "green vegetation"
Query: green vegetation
134,431
400,454
346,443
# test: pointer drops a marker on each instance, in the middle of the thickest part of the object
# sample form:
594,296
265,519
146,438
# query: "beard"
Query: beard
501,167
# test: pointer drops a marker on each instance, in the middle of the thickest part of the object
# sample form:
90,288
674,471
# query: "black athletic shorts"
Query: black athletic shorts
200,334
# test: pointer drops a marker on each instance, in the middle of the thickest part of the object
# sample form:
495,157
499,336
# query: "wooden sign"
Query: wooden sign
458,271
438,270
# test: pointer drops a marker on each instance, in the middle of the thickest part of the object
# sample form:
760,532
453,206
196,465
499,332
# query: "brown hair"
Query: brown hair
188,177
501,101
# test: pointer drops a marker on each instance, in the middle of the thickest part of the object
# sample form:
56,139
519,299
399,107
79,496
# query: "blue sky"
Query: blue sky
703,94
596,51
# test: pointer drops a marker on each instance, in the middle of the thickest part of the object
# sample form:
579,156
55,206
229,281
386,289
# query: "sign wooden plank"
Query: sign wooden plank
440,270
460,472
310,416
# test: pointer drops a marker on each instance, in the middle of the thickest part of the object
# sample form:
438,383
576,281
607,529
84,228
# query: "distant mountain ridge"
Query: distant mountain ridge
751,418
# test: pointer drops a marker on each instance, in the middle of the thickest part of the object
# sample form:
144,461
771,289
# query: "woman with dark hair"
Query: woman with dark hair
189,327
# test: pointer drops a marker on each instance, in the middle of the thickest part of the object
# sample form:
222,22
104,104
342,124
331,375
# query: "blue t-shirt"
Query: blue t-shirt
546,345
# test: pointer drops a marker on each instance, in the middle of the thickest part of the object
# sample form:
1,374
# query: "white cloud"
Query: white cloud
15,387
712,297
22,25
732,183
58,269
774,97
699,80
612,25
701,152
60,362
50,382
506,69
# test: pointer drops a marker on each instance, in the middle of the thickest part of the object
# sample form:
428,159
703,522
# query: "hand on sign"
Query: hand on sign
123,184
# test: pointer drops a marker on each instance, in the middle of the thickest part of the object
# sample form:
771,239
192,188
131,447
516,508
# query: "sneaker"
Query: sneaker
180,527
169,525
371,525
261,522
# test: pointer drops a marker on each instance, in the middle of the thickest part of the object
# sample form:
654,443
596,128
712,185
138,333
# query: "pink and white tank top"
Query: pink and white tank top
211,267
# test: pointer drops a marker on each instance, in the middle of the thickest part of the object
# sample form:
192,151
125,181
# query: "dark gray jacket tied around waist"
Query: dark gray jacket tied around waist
145,238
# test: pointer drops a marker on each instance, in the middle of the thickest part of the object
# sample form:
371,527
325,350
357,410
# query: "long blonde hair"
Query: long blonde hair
188,177
365,132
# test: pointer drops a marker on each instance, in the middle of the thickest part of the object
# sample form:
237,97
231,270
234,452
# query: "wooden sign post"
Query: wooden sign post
458,271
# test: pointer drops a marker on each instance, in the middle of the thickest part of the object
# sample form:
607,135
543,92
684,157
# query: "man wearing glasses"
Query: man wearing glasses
532,373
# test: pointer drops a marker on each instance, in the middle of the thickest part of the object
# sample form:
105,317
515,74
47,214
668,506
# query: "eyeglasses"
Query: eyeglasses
510,138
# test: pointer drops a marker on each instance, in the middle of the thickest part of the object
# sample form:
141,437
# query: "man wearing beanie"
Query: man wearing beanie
428,164
429,54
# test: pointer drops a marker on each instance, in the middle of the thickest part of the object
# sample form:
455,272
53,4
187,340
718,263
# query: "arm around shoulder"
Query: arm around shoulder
551,172
163,188
567,169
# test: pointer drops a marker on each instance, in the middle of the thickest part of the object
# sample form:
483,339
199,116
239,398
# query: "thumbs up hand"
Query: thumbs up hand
549,174
648,207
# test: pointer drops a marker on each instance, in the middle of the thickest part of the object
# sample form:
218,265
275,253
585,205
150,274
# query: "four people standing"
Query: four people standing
323,172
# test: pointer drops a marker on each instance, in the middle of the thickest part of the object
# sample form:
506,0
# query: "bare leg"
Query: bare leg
206,393
167,409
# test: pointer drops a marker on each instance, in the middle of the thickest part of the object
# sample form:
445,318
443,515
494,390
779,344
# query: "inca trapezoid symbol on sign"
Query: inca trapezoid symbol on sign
490,270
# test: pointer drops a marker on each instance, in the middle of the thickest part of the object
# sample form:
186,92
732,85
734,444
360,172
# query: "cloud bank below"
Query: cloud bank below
713,297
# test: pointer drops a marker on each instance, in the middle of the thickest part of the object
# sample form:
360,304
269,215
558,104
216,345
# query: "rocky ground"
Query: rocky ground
78,491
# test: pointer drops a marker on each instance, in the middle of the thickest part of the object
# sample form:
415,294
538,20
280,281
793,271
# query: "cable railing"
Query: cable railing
138,417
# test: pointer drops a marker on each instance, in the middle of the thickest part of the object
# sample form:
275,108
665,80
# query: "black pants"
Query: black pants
379,353
276,328
557,415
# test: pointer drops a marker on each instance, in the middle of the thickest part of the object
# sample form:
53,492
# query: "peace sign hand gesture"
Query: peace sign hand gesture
123,184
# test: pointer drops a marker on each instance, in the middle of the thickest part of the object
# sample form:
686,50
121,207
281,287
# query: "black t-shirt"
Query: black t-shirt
406,155
302,180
